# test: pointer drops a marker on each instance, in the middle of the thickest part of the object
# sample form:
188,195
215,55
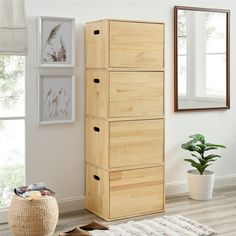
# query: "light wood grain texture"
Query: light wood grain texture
134,44
127,20
124,193
97,142
97,93
124,143
125,84
124,94
97,191
124,44
136,191
97,43
130,118
138,69
136,143
136,94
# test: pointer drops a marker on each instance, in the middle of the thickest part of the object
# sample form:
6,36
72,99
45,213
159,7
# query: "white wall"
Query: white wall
55,154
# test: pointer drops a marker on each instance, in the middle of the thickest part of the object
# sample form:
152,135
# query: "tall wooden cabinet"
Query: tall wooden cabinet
124,118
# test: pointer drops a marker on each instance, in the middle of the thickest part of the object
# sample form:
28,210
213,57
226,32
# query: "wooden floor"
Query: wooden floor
218,213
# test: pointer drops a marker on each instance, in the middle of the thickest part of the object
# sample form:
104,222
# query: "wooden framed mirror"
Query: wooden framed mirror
202,60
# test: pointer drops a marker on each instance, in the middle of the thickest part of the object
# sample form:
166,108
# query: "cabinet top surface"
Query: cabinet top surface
127,20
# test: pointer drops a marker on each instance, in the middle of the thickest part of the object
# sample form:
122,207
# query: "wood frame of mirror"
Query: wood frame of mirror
176,9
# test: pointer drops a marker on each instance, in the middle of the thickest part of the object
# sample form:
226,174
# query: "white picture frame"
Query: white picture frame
56,41
56,98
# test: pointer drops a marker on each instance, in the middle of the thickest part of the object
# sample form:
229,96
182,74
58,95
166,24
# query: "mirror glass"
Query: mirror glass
201,59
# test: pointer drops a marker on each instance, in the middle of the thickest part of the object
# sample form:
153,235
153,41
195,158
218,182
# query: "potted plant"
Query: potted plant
200,180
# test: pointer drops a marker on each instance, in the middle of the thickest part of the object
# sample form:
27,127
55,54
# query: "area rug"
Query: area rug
176,225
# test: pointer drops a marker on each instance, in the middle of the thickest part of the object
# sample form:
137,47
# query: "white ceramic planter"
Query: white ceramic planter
200,186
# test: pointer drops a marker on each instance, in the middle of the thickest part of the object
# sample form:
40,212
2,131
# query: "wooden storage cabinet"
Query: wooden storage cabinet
124,94
124,44
124,118
124,143
118,194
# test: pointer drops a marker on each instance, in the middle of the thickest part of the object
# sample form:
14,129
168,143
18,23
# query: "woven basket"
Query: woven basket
33,218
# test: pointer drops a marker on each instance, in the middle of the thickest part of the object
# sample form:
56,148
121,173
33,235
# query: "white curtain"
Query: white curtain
13,30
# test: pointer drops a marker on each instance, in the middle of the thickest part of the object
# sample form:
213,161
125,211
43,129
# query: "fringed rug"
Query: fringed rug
176,225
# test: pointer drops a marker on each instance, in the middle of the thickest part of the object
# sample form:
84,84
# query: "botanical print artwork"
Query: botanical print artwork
56,41
54,49
56,98
56,104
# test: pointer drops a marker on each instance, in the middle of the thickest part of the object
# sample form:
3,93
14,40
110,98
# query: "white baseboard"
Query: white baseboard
176,188
226,180
3,215
181,186
71,204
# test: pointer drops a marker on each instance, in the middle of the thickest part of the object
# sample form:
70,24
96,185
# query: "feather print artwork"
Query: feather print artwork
54,49
52,34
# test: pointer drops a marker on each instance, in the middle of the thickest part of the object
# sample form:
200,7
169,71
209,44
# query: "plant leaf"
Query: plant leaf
202,168
191,147
202,161
194,155
186,145
198,166
215,145
210,148
209,157
193,163
202,146
198,137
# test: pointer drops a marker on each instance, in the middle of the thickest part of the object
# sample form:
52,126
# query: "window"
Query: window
201,53
12,125
182,53
215,55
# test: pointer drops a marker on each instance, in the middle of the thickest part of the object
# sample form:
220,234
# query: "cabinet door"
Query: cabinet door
97,191
133,192
136,143
97,90
97,141
136,94
136,44
97,42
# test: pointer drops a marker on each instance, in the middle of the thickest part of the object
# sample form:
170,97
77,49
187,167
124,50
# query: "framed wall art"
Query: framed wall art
56,98
56,42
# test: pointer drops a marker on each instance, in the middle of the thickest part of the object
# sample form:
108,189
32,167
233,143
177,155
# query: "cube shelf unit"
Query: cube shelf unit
124,118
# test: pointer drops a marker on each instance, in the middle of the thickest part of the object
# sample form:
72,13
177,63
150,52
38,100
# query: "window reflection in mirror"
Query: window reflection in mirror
201,51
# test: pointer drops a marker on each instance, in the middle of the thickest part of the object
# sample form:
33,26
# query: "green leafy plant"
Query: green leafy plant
198,148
